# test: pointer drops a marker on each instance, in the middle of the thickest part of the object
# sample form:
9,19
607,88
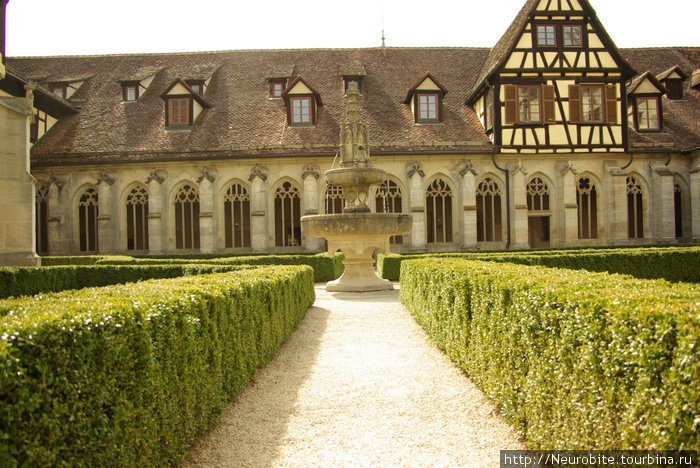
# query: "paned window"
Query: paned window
42,219
427,107
237,217
648,113
179,111
131,92
539,215
301,110
187,218
438,210
587,203
529,104
489,225
334,199
592,103
197,86
572,36
59,90
88,211
635,209
546,35
137,219
276,89
389,201
287,216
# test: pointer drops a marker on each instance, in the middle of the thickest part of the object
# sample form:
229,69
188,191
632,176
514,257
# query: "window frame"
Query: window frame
168,111
547,45
194,84
580,37
419,107
273,84
350,79
125,91
637,108
63,87
293,121
530,121
585,88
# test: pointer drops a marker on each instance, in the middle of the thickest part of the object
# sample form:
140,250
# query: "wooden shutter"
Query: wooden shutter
611,104
574,104
510,99
548,99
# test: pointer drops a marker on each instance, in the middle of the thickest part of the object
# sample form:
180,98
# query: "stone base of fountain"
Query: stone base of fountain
358,236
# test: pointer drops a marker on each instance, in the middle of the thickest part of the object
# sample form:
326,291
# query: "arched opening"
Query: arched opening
137,219
88,211
334,199
438,210
237,216
389,201
678,209
587,203
42,220
187,218
635,209
489,224
539,214
287,216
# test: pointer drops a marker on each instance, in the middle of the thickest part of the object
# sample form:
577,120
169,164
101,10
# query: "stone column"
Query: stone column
569,179
695,203
469,174
619,232
258,205
17,206
310,176
664,218
156,244
519,222
207,235
105,228
417,204
57,218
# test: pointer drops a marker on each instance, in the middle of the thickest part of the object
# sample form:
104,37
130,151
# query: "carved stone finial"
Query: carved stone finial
205,174
311,169
104,177
154,176
29,87
354,134
467,166
258,171
412,168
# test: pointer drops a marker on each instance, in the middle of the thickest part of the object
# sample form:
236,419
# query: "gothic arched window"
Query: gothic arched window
389,201
635,209
334,199
488,211
88,211
587,203
438,210
137,219
237,216
287,216
42,220
187,218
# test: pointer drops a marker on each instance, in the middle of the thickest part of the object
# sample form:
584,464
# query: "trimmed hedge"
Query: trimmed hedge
669,263
325,268
129,375
76,259
575,360
24,281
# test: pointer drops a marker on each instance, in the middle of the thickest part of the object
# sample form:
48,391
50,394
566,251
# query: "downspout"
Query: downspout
629,163
507,173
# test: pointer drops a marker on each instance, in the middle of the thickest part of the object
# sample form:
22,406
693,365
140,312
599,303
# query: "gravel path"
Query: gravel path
357,384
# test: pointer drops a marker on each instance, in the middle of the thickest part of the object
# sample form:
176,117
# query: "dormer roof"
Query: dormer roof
299,86
280,72
646,83
675,72
695,81
353,70
188,88
428,80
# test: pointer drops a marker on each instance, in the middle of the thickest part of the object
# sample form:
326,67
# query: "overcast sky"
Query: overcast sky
82,27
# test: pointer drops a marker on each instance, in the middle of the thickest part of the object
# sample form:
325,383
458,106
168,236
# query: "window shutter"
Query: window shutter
611,104
549,112
574,104
511,101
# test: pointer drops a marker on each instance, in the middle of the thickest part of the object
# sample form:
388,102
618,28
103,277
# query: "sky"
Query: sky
89,27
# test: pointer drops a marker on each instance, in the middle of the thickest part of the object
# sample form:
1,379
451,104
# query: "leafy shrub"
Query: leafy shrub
128,375
576,360
23,281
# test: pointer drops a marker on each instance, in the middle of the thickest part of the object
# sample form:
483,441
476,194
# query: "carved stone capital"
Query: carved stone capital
55,181
154,176
465,167
414,167
104,177
519,168
311,169
206,174
258,171
565,168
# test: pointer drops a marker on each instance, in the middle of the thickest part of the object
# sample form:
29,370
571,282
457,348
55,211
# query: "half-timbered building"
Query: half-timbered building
553,137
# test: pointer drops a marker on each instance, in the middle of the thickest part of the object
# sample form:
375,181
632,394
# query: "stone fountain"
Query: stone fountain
357,232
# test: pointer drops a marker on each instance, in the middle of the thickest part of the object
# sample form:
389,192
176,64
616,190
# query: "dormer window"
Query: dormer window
354,82
300,110
130,92
427,107
182,105
672,79
276,89
197,86
59,90
647,115
179,112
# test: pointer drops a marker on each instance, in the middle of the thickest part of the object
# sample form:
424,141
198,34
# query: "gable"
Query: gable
300,88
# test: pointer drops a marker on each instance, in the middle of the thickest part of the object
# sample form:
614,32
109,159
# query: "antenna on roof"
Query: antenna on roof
383,38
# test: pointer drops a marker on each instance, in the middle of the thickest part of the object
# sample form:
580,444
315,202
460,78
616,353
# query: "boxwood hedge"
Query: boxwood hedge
128,375
670,263
576,360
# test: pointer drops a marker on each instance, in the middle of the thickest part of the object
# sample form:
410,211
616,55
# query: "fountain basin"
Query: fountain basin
358,236
351,176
